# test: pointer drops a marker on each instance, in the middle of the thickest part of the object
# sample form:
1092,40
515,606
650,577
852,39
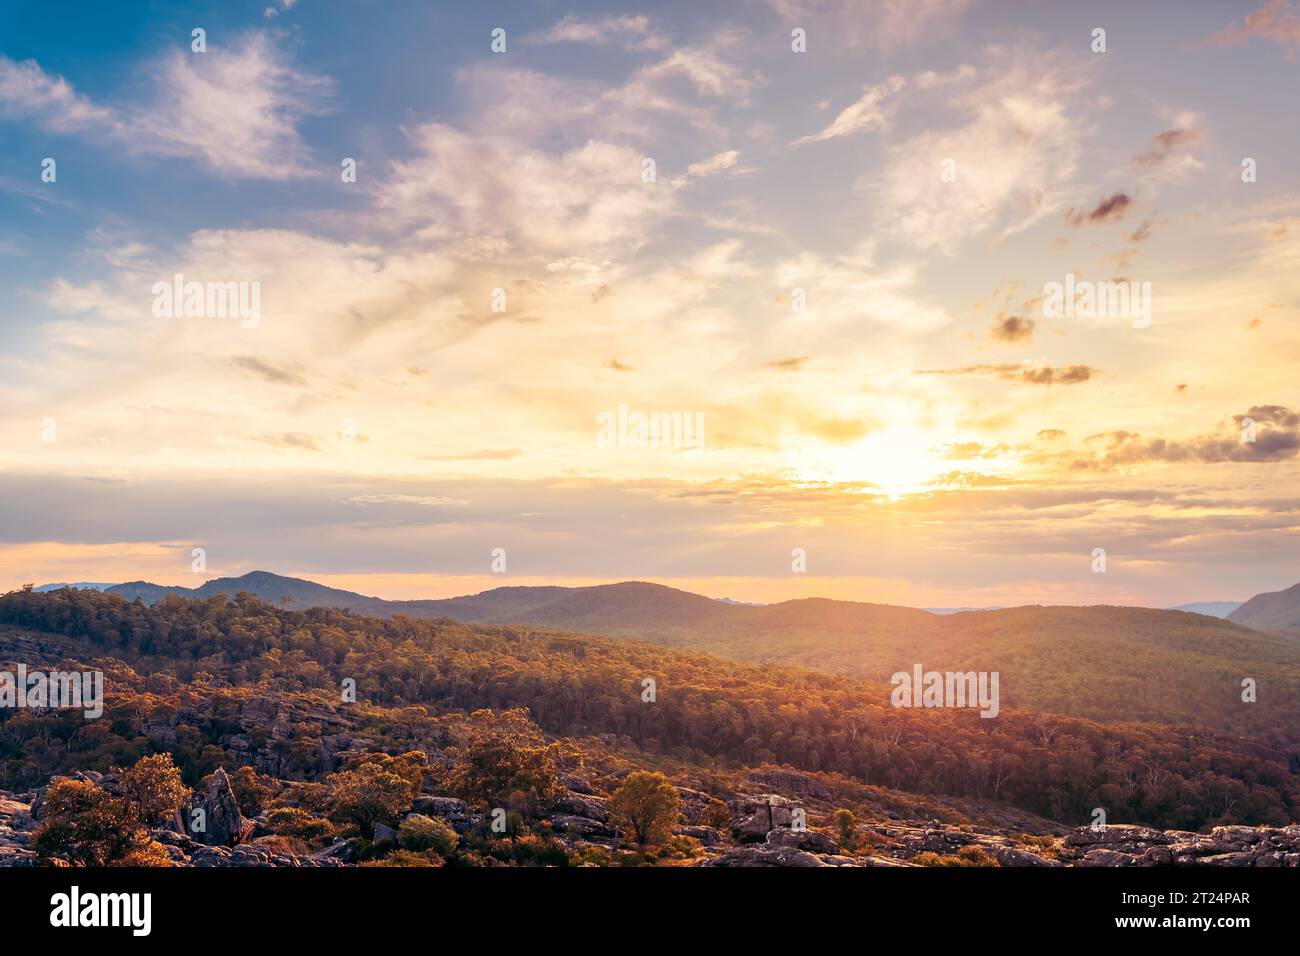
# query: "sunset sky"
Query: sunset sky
920,428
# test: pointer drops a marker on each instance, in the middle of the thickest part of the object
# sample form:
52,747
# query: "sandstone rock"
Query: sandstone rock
754,816
809,840
581,805
706,835
385,835
765,856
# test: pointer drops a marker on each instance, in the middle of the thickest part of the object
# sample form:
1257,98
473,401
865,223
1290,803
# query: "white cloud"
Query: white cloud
869,112
235,110
628,32
1015,153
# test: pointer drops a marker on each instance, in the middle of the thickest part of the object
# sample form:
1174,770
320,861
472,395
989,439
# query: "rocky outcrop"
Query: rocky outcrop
753,817
1127,845
217,821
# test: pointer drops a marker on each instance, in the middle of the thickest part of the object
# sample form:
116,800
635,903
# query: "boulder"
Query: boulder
385,835
766,856
809,840
753,817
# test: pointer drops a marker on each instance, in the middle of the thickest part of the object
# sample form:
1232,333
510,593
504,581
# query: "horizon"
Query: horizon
937,311
449,590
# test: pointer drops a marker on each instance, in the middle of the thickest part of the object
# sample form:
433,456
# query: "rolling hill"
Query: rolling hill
1103,663
1273,611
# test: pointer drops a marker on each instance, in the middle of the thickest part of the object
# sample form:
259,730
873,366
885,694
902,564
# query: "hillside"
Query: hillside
180,674
1273,611
1103,663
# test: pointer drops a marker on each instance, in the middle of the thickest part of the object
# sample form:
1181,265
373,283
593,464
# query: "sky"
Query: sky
473,239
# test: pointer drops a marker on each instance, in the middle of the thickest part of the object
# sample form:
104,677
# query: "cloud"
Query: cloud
1277,438
268,372
1013,154
1273,21
883,24
1024,373
1110,209
867,113
628,32
27,92
1012,328
1170,151
235,110
788,364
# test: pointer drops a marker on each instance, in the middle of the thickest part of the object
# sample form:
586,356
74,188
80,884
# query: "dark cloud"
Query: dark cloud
787,365
1276,438
1012,328
1166,146
1111,209
268,372
618,366
1026,374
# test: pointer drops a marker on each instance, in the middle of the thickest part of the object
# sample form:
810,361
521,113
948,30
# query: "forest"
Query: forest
211,659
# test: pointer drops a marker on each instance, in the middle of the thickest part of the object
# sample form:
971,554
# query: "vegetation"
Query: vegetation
424,683
648,806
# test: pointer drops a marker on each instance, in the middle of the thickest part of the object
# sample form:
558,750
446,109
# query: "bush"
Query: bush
298,824
419,833
648,807
87,824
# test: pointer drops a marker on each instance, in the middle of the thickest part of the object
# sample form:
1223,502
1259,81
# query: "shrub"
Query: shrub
419,833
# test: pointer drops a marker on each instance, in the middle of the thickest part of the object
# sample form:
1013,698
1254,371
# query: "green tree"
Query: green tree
648,807
368,795
153,788
87,824
505,753
847,824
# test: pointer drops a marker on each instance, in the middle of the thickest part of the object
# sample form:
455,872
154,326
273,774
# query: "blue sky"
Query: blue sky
923,428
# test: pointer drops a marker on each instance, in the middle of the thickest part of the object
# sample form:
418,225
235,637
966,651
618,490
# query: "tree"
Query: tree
87,824
847,824
505,754
368,795
153,788
648,806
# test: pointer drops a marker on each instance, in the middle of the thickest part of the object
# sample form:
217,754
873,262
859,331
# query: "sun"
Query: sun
898,460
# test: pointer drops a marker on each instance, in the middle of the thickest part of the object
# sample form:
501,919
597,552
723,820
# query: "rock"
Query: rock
791,781
584,826
1102,857
765,856
221,822
345,851
581,805
706,835
453,811
17,856
809,840
1015,856
385,835
1117,833
753,817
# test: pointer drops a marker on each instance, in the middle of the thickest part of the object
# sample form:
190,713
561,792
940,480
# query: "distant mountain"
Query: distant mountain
1273,611
1210,608
959,610
80,585
1104,663
272,588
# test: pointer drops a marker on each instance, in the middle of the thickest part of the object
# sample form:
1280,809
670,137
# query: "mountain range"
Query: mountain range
1101,662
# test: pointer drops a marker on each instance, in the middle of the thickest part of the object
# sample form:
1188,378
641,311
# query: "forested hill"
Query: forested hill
706,710
1103,663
